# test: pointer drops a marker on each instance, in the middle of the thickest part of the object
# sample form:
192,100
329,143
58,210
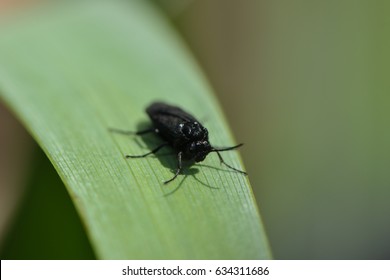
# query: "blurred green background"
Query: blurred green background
305,84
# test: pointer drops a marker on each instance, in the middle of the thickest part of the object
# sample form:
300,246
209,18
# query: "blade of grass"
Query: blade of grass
72,71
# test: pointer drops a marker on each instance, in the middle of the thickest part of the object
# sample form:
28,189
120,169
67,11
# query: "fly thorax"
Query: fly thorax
193,131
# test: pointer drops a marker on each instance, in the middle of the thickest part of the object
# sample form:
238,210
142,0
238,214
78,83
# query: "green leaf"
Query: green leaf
70,72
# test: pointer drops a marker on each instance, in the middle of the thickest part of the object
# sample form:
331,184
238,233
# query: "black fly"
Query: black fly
182,132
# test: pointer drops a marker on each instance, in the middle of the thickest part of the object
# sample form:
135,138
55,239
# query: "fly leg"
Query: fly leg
179,167
217,150
126,132
231,167
155,150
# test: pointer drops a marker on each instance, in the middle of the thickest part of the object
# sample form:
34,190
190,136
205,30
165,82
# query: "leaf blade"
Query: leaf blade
103,65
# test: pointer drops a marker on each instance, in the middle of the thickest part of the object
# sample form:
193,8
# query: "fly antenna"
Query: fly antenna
226,149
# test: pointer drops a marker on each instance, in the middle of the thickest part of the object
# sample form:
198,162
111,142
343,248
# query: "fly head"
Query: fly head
198,150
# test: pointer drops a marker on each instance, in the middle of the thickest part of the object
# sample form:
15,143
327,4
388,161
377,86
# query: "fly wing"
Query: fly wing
162,109
167,118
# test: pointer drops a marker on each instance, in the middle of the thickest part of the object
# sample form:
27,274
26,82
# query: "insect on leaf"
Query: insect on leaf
72,71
